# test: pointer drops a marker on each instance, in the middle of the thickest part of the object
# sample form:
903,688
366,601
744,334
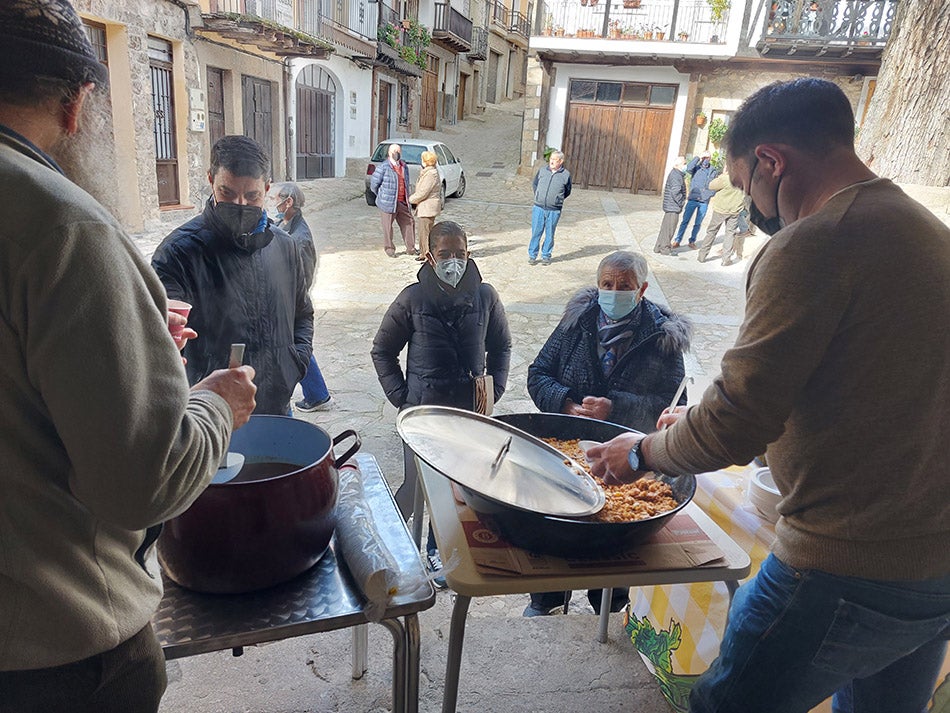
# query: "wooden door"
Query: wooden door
316,94
163,106
215,105
430,93
617,134
257,114
463,93
384,111
491,91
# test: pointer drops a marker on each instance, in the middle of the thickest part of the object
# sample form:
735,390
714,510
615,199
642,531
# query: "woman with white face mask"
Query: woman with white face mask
615,356
455,328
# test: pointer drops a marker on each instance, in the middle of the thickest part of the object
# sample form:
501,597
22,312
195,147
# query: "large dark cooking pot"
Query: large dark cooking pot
569,537
271,522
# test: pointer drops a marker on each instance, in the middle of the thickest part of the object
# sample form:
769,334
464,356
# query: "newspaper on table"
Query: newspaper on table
681,544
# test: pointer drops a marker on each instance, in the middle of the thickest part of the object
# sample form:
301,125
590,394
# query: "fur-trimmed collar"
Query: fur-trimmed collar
675,330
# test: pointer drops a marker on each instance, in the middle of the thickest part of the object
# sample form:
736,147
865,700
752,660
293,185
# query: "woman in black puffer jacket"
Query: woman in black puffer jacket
456,329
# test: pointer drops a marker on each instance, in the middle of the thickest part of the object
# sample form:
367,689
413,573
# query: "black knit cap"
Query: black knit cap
45,38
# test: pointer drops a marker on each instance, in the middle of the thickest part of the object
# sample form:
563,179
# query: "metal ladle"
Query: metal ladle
231,463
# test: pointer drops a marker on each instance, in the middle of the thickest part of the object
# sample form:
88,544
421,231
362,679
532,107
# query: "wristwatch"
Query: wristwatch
635,457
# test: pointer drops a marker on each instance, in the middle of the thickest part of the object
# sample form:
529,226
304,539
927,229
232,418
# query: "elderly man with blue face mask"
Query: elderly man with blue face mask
615,356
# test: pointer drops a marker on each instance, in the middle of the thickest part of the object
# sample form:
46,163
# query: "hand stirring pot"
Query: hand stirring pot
231,463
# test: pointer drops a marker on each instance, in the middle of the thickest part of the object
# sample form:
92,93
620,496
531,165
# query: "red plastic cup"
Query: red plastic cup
182,308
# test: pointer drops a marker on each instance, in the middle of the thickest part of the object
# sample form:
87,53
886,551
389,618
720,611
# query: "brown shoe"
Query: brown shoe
693,246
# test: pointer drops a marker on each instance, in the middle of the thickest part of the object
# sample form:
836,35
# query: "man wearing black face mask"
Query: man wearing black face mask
244,276
841,369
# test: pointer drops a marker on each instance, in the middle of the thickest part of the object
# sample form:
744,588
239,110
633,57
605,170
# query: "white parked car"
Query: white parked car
450,167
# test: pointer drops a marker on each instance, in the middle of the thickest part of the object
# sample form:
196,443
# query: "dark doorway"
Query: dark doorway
257,114
383,111
215,104
316,94
163,106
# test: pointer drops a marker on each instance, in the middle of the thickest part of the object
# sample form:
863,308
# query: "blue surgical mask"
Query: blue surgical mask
617,304
450,271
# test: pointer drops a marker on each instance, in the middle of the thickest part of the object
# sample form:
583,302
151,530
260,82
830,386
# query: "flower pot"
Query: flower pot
559,32
631,4
614,34
546,32
660,35
701,120
648,35
405,24
682,37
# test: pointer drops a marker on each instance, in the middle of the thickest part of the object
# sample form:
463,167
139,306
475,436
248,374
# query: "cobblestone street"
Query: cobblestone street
355,283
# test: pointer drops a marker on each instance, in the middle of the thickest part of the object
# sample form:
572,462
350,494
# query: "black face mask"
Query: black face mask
769,226
240,221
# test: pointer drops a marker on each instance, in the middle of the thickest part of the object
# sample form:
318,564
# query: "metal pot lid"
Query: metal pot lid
499,461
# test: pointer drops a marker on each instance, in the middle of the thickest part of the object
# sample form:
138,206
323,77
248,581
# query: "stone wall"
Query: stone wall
724,89
531,154
128,26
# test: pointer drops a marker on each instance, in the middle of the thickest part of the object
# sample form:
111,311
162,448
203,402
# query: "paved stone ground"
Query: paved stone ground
509,663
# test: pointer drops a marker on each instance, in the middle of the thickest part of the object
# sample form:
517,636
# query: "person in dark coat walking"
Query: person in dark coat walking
456,329
615,356
674,197
702,172
288,204
245,278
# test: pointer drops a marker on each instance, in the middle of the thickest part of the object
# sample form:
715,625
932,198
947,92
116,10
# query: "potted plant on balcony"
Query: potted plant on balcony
548,29
659,32
718,9
613,29
628,33
682,36
701,118
717,130
631,4
559,31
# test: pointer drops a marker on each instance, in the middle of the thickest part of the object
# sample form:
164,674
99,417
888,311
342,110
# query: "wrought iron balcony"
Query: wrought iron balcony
519,24
499,13
828,28
394,48
651,20
452,29
479,44
293,31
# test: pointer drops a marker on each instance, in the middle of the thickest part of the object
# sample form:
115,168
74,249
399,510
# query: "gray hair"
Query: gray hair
290,190
559,154
625,261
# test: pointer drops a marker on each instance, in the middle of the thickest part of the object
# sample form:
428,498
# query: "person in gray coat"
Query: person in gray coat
674,198
552,184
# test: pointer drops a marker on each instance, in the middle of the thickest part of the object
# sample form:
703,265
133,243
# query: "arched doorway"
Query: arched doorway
316,98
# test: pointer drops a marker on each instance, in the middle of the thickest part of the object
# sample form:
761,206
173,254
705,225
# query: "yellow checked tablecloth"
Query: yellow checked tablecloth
677,628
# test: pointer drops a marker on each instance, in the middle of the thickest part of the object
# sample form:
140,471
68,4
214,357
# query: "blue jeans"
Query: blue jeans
795,637
542,221
697,207
314,387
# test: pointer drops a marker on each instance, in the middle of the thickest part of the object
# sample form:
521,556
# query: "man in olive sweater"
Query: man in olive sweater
841,368
100,438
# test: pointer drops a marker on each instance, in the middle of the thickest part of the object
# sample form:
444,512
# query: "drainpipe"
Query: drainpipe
184,8
290,101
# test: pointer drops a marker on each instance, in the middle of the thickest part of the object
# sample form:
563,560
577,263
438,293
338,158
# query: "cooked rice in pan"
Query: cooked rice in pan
639,500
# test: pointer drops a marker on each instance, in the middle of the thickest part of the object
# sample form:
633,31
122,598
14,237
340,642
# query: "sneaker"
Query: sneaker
434,561
305,405
545,261
532,610
693,246
532,261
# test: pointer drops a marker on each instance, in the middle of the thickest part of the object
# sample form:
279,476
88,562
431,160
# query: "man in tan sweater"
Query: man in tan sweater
841,368
726,205
100,438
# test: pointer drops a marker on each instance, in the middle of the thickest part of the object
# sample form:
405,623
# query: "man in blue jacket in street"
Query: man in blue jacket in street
552,184
697,200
